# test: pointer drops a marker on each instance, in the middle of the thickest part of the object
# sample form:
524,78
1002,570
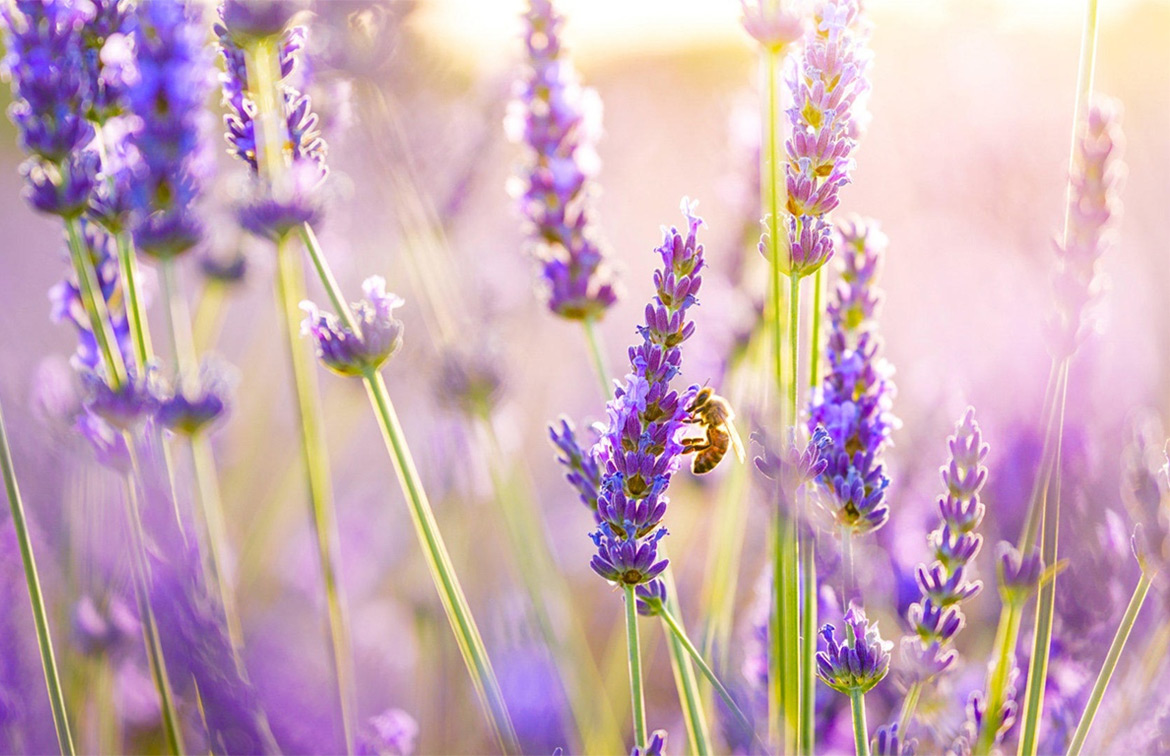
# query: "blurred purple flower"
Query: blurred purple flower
1019,575
655,746
1093,204
108,58
551,115
257,19
391,733
379,333
195,402
772,25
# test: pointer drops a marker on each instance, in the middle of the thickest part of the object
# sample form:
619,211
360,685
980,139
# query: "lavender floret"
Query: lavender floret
581,469
195,403
378,337
853,665
551,116
1018,574
655,746
640,449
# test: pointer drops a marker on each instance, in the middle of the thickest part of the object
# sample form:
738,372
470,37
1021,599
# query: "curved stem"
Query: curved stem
290,292
451,594
36,598
1110,664
633,651
860,731
597,356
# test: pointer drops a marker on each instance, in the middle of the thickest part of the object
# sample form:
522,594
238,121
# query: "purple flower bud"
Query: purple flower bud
251,20
1019,575
278,208
226,269
379,333
581,468
856,665
887,742
655,746
60,189
195,403
651,598
624,560
125,407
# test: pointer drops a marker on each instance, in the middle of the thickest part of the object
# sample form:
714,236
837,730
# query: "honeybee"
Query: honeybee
715,415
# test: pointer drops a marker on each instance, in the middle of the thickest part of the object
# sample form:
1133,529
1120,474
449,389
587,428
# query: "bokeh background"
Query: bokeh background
964,165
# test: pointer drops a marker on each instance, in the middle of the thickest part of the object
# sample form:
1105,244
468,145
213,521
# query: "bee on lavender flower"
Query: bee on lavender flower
714,414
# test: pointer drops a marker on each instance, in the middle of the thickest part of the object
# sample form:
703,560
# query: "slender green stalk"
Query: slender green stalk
634,654
909,704
1005,644
814,364
848,577
680,635
95,304
1033,707
694,714
135,309
783,668
546,588
774,198
207,323
451,594
141,571
1036,500
40,617
860,731
290,292
597,355
1110,664
808,643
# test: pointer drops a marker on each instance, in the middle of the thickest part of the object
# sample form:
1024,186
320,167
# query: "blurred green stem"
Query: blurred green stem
633,652
685,682
290,292
451,594
1005,645
860,731
40,617
909,704
1110,664
815,338
140,567
808,641
597,356
135,309
95,304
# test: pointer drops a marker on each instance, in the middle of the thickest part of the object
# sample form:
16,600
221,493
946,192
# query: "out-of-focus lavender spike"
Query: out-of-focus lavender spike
853,402
195,403
1093,205
581,469
1018,573
856,664
291,196
379,333
655,746
640,449
108,57
168,94
944,584
887,741
471,379
391,733
828,86
45,63
1146,490
557,119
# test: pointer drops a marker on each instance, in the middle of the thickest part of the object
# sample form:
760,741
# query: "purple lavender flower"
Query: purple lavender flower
552,116
651,598
853,402
640,449
257,19
772,25
107,57
1093,202
581,468
1018,574
794,467
126,406
379,333
887,742
290,195
936,618
167,95
655,746
828,86
195,403
470,379
45,64
857,664
391,733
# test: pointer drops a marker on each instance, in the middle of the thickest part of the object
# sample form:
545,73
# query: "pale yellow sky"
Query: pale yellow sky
483,31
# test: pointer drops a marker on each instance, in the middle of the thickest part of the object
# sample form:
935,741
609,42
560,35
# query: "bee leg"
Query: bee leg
691,445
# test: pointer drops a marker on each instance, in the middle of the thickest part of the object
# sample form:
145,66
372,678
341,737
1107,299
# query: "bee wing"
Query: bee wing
736,442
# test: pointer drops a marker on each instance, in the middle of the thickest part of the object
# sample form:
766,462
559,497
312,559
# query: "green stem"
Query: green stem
40,617
793,350
774,202
451,594
637,703
290,292
687,685
848,579
1033,707
815,346
140,568
808,643
909,704
1005,644
135,308
680,635
597,356
860,731
95,304
325,273
1110,664
1036,500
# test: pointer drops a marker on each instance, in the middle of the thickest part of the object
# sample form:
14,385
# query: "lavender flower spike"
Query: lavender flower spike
640,449
378,337
553,116
45,64
936,618
853,402
1093,203
856,665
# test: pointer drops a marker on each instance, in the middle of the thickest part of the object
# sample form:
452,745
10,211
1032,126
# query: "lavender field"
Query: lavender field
555,376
